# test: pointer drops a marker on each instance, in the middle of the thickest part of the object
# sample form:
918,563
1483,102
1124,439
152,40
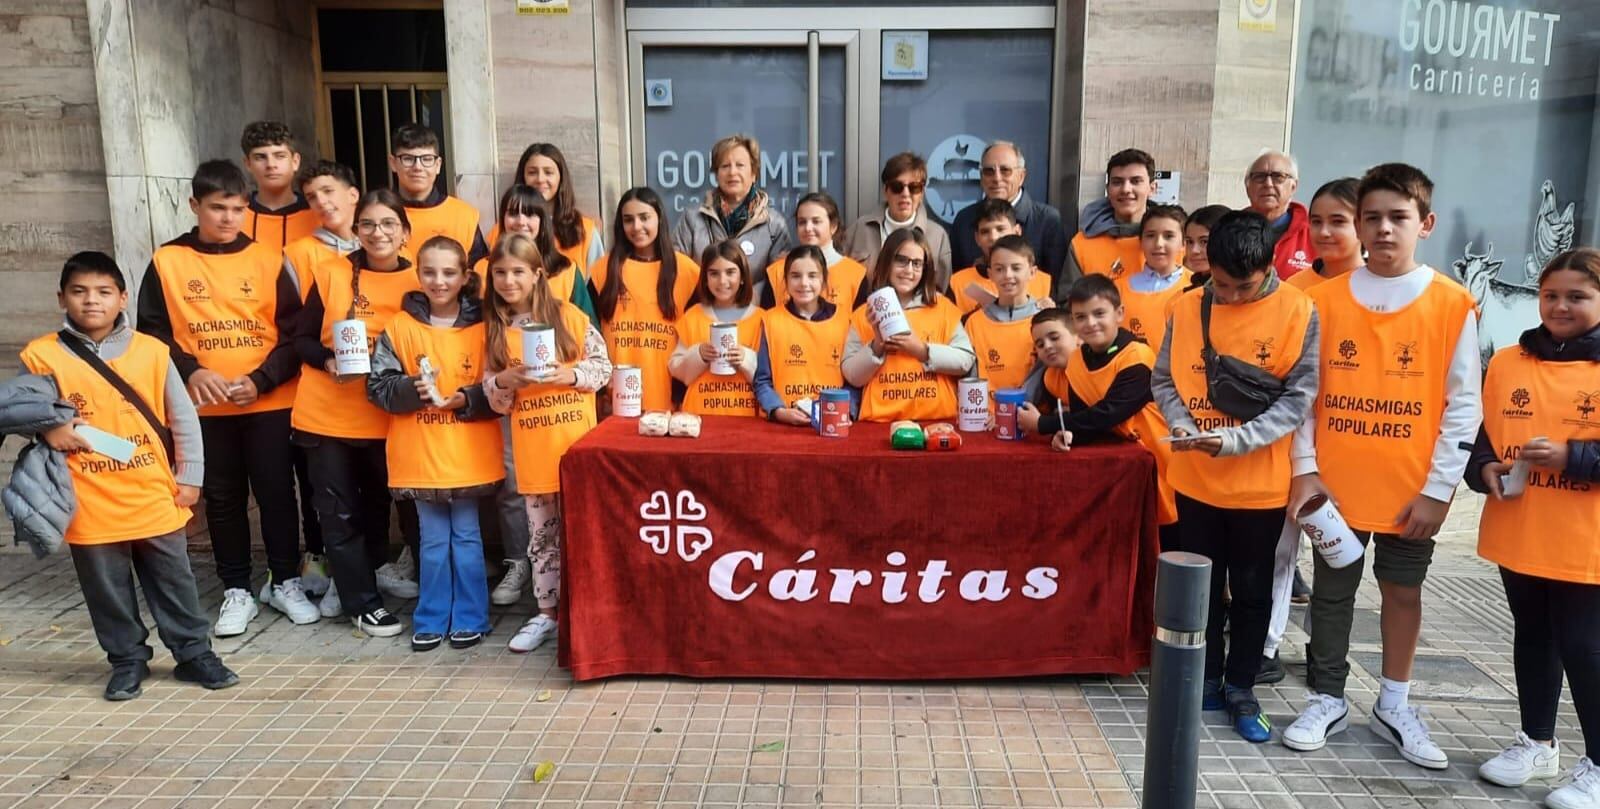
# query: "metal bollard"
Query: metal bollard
1177,670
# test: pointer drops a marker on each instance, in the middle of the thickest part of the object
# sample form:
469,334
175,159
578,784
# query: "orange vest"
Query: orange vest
433,449
1145,313
804,355
1108,255
637,333
1055,381
1146,427
117,501
224,309
578,254
341,410
453,217
713,395
844,282
1269,331
902,388
1038,287
548,419
1553,529
561,285
1382,395
1005,351
304,255
279,230
1306,279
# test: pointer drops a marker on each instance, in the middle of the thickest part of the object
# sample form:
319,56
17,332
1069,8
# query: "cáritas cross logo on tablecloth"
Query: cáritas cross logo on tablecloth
666,524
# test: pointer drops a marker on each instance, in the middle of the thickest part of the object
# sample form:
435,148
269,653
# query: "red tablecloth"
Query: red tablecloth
759,550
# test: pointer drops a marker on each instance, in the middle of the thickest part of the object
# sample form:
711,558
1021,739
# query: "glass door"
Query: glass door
694,87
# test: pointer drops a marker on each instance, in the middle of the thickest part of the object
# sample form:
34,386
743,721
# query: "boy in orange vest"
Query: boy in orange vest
996,219
1000,331
225,306
1148,293
1396,416
416,163
1107,242
1230,464
1106,384
277,215
130,516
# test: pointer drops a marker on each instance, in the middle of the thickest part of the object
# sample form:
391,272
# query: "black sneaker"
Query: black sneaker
125,680
464,639
1271,671
426,641
208,671
379,623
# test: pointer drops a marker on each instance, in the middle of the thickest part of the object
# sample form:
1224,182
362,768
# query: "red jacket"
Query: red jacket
1294,252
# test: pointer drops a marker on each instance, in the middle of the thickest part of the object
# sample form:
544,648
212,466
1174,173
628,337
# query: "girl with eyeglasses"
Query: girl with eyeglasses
343,433
911,375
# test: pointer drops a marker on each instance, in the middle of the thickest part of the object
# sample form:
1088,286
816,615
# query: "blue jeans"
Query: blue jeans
453,595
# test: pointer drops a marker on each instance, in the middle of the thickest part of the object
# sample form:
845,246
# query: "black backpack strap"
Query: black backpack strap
1205,323
88,355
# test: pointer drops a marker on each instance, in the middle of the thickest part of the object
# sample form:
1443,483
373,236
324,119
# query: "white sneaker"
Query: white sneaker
1582,790
1323,717
237,610
393,582
533,634
330,606
1523,761
290,599
1404,729
510,588
314,578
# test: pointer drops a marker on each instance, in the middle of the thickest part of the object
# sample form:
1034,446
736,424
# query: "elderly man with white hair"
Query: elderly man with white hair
1003,170
1270,184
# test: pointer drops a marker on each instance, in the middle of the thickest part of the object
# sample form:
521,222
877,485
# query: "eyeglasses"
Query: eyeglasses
906,262
898,187
367,227
1003,171
428,161
1275,177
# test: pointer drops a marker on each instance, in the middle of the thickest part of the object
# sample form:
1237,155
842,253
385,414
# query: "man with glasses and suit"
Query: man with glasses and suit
1002,171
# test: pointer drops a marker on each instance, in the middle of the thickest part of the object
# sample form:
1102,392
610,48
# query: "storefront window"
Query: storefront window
1496,101
981,86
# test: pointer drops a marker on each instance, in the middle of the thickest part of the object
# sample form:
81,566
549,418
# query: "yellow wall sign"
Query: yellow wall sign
1258,15
530,7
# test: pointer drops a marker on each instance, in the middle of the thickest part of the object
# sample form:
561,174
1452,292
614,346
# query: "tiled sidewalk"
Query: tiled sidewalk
327,718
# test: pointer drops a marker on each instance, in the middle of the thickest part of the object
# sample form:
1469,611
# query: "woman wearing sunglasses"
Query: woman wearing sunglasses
905,178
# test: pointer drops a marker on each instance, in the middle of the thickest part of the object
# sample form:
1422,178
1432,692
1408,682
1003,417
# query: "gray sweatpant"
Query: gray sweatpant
106,573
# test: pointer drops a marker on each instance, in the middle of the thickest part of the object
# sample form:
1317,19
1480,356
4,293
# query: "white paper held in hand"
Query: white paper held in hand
112,446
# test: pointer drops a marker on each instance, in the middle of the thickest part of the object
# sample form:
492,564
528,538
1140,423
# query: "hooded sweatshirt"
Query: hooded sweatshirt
1103,245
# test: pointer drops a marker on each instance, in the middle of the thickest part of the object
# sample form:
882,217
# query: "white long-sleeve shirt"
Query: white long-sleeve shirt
1463,409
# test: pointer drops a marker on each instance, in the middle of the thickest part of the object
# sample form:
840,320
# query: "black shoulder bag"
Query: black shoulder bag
1235,387
88,355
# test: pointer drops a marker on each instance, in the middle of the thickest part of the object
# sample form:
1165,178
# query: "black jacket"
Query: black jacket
1129,392
1041,226
1583,457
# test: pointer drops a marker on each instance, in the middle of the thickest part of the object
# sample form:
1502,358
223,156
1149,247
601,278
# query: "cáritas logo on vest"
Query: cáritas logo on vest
1405,355
1520,399
363,306
195,291
80,402
797,356
677,525
1137,327
994,358
1347,357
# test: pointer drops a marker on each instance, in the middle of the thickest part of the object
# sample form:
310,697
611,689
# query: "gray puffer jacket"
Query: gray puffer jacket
39,497
764,239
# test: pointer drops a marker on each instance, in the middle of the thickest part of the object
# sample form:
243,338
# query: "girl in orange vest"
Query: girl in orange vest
342,432
817,223
443,446
1540,414
806,334
548,413
725,297
639,288
911,375
1333,233
1196,233
543,168
523,210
